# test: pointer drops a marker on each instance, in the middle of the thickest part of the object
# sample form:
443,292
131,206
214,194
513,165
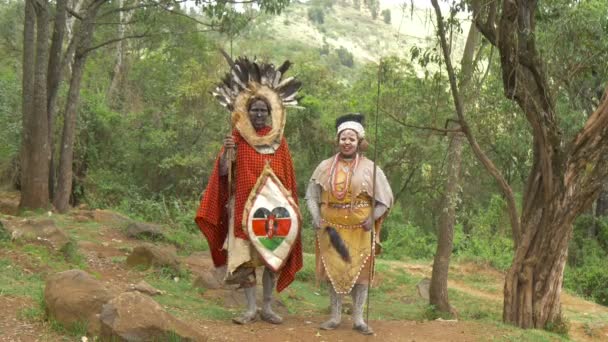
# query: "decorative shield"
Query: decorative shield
271,219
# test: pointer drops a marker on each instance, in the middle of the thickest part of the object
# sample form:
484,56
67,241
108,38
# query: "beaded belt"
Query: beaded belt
348,205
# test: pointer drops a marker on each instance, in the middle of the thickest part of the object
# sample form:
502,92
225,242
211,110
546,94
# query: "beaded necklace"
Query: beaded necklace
333,176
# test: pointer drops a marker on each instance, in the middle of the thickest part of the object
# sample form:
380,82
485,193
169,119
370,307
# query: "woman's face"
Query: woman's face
348,143
258,114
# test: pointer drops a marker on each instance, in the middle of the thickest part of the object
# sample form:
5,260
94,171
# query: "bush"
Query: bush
386,16
586,273
407,241
316,15
346,57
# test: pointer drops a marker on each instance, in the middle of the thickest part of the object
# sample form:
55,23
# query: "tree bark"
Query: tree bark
445,242
83,42
35,146
53,82
438,292
565,177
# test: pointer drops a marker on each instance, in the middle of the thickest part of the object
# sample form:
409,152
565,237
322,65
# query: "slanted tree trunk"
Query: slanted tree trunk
565,178
438,292
83,41
35,147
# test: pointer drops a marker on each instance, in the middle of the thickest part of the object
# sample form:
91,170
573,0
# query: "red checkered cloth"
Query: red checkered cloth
212,215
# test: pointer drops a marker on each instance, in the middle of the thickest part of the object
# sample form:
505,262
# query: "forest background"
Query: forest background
147,129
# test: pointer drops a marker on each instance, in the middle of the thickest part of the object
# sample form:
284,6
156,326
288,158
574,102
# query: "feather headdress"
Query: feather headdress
245,74
249,79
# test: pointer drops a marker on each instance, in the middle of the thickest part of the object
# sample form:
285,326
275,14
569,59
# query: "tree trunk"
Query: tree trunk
53,82
35,147
121,46
83,42
445,242
68,58
439,279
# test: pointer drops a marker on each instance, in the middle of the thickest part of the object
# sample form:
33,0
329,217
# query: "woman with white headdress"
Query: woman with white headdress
347,212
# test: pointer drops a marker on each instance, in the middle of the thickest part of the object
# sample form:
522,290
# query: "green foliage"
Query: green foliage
4,234
586,273
407,241
487,238
345,56
386,16
316,15
10,120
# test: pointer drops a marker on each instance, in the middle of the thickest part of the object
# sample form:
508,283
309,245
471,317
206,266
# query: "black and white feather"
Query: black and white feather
244,73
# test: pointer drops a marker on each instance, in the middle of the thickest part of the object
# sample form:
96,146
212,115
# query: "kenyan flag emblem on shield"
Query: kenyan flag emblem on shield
271,219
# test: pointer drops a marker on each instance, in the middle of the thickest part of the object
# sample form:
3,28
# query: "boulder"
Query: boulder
110,218
75,297
38,231
133,316
142,230
423,287
147,255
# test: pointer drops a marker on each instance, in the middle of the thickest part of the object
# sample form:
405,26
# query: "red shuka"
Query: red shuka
212,215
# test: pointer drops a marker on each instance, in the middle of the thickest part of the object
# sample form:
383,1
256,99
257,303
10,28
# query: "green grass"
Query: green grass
470,307
478,281
15,281
186,242
183,300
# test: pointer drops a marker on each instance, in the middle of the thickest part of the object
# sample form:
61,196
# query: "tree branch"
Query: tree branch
403,123
481,156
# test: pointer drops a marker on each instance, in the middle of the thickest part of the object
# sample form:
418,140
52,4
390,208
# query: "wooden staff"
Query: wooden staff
371,215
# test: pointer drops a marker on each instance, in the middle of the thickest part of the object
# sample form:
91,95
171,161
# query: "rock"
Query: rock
74,297
423,287
145,288
150,255
111,218
9,203
132,316
207,280
42,232
141,230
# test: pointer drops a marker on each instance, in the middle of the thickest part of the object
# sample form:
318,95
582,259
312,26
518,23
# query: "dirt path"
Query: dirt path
305,329
105,249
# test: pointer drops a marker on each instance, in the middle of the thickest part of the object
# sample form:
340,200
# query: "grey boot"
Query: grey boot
251,314
267,314
336,311
359,294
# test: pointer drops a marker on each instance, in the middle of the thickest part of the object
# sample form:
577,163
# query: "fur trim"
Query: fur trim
270,142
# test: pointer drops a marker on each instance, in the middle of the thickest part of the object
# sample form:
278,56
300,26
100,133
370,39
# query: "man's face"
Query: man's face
258,114
348,142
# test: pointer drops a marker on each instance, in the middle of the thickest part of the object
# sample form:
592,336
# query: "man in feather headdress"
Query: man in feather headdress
255,220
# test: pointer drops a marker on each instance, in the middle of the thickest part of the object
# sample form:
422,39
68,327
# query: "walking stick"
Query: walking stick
373,229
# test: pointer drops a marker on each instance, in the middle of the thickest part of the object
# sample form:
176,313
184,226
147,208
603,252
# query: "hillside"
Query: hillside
311,30
102,249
